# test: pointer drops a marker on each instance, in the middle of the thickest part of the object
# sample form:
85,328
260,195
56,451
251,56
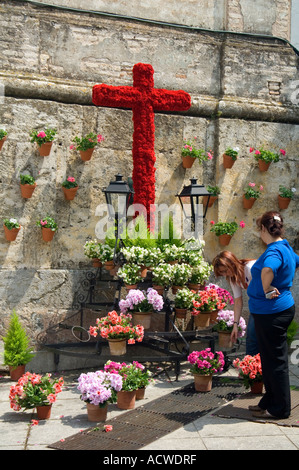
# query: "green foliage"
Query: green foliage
17,351
233,153
41,137
27,179
3,133
292,331
213,190
285,192
167,235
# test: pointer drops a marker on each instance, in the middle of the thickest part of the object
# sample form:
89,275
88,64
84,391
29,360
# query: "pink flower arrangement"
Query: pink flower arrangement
207,300
205,362
225,322
133,375
252,191
141,301
34,390
250,369
115,326
87,142
266,155
223,294
99,388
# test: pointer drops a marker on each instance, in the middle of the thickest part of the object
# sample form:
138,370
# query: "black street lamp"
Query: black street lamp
189,198
118,196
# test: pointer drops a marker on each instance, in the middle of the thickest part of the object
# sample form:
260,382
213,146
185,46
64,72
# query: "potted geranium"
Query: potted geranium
204,303
251,194
98,389
27,185
69,187
118,330
130,374
144,379
214,193
225,230
204,364
285,196
86,144
183,302
162,277
230,156
224,325
265,157
17,352
35,391
141,305
44,140
48,226
200,273
11,229
189,153
3,135
130,274
180,276
250,370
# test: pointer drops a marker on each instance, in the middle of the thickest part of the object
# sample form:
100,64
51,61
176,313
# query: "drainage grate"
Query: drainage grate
145,424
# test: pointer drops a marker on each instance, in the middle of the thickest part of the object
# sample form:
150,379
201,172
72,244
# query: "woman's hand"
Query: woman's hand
234,334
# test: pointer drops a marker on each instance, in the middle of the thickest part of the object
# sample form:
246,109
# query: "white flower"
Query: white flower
293,190
13,221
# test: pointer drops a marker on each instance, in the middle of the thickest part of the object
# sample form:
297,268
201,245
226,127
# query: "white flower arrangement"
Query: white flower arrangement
183,298
180,274
162,274
130,273
200,273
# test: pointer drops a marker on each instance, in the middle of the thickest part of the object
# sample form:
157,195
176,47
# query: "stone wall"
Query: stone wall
48,64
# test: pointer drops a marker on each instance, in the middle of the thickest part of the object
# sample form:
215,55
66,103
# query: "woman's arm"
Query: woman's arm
238,305
267,277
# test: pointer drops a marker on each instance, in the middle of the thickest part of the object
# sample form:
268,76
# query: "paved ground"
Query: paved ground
206,433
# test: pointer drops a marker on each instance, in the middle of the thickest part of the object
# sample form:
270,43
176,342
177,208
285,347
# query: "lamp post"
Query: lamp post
118,196
189,198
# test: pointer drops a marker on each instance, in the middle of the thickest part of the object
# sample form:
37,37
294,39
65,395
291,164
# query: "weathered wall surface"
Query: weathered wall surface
48,63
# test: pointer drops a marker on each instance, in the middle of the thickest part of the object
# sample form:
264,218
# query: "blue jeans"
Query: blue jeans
251,340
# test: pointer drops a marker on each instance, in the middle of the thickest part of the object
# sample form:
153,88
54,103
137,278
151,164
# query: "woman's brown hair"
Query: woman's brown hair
273,223
231,263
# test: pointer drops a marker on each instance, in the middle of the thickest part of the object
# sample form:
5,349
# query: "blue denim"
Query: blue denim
251,340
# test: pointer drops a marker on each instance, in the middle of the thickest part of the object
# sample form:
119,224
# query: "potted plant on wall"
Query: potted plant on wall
266,157
214,193
251,194
230,156
69,187
11,229
17,352
48,226
27,185
87,144
44,140
285,196
225,230
190,153
3,135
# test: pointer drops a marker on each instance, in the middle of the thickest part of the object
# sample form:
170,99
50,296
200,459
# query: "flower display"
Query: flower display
225,322
93,249
285,192
130,273
99,388
11,223
70,182
223,294
41,137
115,326
183,299
47,222
141,301
251,190
162,274
205,362
34,390
200,273
180,274
133,375
189,149
266,155
172,253
250,369
228,228
87,142
140,255
207,300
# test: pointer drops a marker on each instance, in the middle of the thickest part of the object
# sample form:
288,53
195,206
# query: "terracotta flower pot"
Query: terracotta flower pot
263,166
211,200
283,202
45,149
224,339
202,320
159,289
117,347
126,400
196,287
174,289
11,234
248,203
188,161
97,263
47,234
224,239
44,412
16,373
143,271
140,393
257,388
181,312
2,142
108,265
142,318
213,317
27,190
86,154
228,161
95,413
203,383
130,286
70,193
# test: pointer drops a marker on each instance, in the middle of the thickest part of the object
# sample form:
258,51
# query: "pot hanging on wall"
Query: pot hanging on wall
45,149
86,154
2,142
248,203
283,202
11,234
27,190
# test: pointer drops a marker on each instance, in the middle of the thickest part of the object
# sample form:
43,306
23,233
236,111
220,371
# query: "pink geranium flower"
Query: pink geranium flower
242,224
41,134
283,152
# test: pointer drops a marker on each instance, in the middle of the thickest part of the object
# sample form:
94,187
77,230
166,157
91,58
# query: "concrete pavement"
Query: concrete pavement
206,433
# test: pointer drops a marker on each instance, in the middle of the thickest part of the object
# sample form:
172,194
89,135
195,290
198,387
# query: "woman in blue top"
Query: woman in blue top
272,306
